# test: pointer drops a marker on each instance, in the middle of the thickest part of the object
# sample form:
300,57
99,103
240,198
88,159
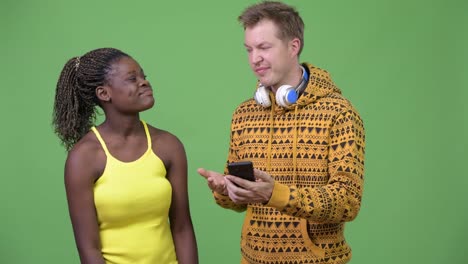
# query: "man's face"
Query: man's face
271,59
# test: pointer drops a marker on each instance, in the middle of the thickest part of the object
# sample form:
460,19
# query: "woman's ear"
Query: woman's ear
103,93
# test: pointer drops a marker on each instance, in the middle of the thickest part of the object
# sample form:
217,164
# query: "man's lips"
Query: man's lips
261,70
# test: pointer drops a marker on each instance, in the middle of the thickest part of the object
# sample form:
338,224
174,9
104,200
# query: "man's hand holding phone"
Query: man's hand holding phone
248,185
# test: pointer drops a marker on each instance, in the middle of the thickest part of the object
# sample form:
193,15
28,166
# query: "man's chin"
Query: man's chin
264,81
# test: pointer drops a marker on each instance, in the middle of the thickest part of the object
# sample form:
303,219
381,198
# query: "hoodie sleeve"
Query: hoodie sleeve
224,200
340,199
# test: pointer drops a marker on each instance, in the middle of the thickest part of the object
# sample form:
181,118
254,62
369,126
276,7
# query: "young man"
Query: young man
306,142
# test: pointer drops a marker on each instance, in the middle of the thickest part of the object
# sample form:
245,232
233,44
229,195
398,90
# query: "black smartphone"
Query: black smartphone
242,169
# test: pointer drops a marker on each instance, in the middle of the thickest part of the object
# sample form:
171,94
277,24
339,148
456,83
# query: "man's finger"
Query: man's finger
244,184
203,173
235,180
261,175
237,194
208,173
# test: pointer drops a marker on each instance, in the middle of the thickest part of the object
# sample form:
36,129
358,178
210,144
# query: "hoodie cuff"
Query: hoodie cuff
279,197
220,196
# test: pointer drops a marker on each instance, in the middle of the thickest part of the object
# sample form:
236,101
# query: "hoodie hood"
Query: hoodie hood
319,85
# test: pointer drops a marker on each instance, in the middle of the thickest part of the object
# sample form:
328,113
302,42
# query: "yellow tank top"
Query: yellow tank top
132,202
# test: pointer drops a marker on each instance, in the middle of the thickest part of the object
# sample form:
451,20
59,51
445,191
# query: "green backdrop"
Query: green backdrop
402,63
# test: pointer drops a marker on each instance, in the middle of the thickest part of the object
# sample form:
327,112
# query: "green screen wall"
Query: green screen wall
403,64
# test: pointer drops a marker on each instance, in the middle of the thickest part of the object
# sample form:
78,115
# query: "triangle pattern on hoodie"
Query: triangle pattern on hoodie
314,150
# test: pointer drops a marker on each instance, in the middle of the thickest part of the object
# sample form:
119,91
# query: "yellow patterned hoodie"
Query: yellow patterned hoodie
314,150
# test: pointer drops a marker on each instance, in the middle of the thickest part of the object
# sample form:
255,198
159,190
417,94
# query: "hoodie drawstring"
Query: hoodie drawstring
295,147
294,176
271,135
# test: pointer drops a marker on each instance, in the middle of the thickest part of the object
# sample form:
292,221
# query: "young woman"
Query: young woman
126,181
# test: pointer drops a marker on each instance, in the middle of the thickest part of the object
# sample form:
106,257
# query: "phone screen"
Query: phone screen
242,169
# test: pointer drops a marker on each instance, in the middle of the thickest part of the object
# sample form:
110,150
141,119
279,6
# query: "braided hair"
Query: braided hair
75,95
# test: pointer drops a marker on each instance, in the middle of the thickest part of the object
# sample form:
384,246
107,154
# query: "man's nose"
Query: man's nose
255,57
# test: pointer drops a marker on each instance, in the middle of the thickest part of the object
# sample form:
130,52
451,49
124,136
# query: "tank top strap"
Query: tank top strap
103,144
148,136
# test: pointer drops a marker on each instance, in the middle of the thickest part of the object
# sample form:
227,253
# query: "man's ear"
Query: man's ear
295,46
103,93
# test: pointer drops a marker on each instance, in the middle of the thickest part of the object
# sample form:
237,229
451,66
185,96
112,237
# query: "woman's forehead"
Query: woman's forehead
124,66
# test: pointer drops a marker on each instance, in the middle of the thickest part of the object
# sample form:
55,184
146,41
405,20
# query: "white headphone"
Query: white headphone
286,95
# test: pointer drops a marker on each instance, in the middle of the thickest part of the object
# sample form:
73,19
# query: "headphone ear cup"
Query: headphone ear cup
262,96
286,95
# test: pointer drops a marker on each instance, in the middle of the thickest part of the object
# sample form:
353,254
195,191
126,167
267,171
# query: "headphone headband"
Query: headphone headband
305,78
285,95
